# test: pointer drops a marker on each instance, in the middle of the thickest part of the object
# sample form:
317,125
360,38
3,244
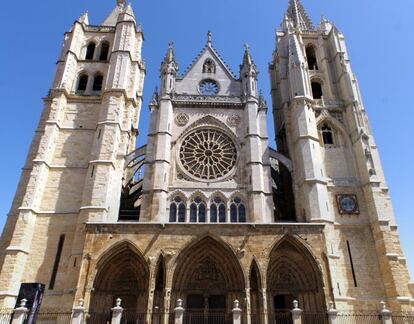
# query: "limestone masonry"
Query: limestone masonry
206,212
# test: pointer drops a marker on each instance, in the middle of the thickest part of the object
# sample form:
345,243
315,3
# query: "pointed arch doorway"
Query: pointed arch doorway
208,278
293,274
121,273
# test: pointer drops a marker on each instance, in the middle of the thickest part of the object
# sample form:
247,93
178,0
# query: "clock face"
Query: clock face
348,204
208,88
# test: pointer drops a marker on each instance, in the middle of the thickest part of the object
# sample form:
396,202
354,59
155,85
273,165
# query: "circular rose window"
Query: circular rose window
209,87
208,154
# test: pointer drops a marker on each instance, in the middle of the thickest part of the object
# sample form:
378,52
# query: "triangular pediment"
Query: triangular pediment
208,65
209,52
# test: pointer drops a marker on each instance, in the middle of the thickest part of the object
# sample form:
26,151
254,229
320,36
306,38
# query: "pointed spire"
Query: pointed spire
296,12
209,38
247,58
169,64
120,3
170,56
84,18
128,10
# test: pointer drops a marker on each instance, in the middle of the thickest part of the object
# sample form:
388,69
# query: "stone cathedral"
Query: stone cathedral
206,212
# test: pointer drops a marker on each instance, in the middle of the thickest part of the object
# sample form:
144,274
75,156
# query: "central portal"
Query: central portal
208,279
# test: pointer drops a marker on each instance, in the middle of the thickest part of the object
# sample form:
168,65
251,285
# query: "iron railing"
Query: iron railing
255,318
94,317
202,317
284,317
314,318
403,319
130,316
53,317
358,318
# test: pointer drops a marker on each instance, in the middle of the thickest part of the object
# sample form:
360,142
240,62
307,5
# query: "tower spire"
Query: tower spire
120,3
297,14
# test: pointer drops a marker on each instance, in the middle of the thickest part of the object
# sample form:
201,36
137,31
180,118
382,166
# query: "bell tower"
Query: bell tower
73,173
322,126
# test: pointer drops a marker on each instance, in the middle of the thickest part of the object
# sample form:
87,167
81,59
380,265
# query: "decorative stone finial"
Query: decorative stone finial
179,303
23,303
209,37
118,302
247,47
80,302
331,305
295,304
120,3
236,304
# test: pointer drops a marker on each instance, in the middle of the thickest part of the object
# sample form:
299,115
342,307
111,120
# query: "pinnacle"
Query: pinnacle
209,38
297,13
247,58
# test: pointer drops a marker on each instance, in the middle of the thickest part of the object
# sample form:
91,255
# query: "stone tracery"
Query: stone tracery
208,154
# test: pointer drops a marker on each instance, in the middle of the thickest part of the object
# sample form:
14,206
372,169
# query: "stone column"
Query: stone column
385,314
248,307
265,311
332,313
296,313
236,312
78,313
20,313
117,312
156,315
179,312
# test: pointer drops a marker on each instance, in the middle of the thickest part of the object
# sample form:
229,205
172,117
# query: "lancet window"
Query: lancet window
327,135
82,83
90,51
217,211
97,82
237,211
316,90
197,211
311,56
177,210
104,51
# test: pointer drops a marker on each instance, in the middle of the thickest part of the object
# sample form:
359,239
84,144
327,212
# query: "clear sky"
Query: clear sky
379,36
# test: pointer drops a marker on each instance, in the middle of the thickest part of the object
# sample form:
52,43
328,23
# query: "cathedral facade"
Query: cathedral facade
206,212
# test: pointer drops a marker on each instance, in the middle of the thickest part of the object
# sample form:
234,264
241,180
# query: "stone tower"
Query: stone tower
73,173
322,127
204,126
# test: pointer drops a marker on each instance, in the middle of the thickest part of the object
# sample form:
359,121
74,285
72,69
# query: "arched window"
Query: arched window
197,211
311,55
97,82
217,211
316,90
82,83
327,135
90,51
104,51
209,66
177,210
237,211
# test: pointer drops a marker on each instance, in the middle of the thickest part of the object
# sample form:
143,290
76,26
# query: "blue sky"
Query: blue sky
379,38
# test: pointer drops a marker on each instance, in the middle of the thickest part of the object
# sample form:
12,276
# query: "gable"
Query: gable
228,85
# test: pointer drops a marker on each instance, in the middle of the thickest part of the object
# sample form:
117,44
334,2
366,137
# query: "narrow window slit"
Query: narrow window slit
57,260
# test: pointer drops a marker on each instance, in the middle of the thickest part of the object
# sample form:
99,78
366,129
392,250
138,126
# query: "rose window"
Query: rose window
209,88
208,154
